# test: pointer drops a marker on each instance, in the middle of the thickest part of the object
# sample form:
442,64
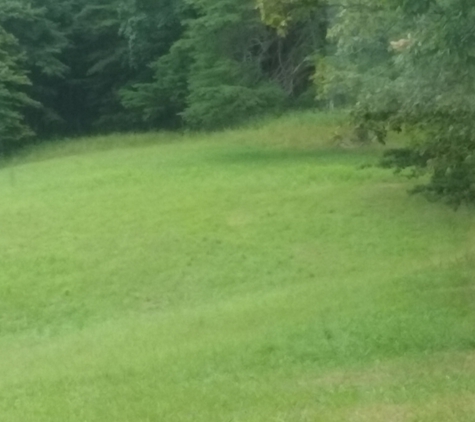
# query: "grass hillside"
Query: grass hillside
247,276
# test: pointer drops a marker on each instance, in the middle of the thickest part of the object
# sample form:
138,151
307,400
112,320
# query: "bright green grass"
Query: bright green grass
254,275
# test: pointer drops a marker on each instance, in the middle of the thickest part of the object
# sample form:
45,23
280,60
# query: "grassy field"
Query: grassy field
249,276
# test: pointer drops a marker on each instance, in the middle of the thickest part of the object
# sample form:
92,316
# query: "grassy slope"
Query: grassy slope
254,275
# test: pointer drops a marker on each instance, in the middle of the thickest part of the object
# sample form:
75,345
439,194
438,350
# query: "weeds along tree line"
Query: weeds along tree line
82,66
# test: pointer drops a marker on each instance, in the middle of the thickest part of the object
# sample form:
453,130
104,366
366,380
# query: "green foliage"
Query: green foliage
411,67
283,14
225,67
159,96
39,37
108,65
151,27
225,105
41,41
225,78
13,99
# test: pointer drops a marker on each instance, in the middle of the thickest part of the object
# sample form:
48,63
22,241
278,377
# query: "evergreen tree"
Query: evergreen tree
13,99
41,42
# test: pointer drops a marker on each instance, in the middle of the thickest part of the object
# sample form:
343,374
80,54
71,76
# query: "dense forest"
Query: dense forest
79,66
85,66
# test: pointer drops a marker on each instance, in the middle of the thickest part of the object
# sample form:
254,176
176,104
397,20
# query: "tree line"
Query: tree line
82,66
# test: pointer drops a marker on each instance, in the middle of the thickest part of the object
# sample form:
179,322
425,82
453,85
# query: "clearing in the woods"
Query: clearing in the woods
261,274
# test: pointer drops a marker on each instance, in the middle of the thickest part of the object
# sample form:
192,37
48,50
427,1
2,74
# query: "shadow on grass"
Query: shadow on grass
330,156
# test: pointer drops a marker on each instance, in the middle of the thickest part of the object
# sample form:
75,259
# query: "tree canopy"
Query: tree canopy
13,99
107,65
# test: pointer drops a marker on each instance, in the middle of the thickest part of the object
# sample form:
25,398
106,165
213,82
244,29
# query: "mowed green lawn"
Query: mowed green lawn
249,276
